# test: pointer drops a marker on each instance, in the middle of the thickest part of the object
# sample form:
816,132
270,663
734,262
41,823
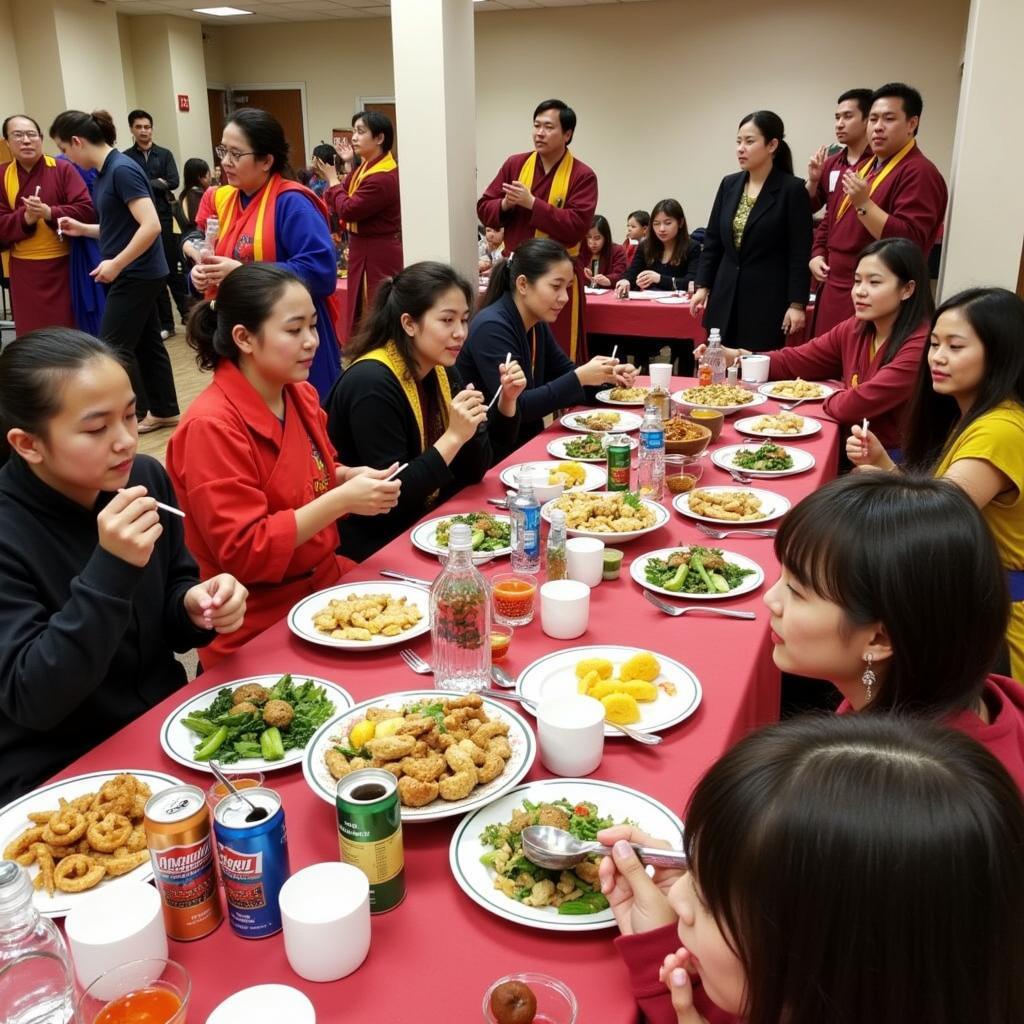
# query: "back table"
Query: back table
432,958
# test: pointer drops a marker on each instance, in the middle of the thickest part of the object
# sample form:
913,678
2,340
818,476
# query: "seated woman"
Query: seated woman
97,589
876,353
401,400
602,261
196,180
966,423
667,259
525,294
828,858
490,247
251,460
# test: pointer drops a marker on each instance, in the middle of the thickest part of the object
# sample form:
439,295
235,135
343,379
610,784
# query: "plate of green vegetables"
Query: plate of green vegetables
766,460
696,573
262,722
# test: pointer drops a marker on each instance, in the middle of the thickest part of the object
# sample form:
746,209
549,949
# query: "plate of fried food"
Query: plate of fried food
602,422
731,505
486,856
491,535
618,516
765,460
781,424
724,398
451,752
623,396
259,723
81,832
572,475
796,390
583,447
362,616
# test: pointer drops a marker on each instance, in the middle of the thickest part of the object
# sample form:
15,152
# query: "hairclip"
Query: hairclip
213,305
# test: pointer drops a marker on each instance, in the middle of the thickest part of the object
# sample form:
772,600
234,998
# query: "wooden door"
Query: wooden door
388,110
286,106
217,101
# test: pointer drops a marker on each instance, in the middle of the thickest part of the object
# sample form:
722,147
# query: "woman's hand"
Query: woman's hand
71,227
105,272
639,902
326,171
600,281
212,271
343,147
217,603
676,974
731,354
622,289
647,278
367,492
793,321
864,449
512,381
129,526
467,412
699,301
600,370
624,375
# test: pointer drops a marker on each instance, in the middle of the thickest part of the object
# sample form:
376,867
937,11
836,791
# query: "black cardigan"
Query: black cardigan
86,640
370,423
752,288
673,276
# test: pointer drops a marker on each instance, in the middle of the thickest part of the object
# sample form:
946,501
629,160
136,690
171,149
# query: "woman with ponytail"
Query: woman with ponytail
753,280
251,462
402,400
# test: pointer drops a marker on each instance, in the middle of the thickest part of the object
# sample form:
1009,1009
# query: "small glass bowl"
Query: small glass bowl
683,472
240,780
555,1002
501,641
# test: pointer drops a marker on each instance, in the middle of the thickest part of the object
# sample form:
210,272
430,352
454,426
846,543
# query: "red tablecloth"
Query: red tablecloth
432,958
645,318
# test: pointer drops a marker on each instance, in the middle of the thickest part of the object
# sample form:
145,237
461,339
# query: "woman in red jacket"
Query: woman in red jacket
251,462
601,260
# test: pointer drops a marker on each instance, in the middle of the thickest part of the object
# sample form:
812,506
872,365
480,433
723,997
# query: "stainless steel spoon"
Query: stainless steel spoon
255,813
554,848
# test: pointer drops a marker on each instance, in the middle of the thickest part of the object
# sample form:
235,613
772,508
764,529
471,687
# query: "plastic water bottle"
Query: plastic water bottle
557,566
208,246
525,514
460,619
37,986
715,356
651,467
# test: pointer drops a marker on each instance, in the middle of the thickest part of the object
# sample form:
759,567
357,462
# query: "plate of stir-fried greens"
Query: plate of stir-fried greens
699,573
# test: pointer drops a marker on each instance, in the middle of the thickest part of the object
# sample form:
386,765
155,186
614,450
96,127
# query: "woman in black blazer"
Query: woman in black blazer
753,280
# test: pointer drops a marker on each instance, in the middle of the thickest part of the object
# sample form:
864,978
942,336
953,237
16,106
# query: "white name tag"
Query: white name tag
833,178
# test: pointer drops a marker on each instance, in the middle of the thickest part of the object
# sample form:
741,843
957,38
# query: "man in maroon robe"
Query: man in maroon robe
537,209
898,194
824,172
35,190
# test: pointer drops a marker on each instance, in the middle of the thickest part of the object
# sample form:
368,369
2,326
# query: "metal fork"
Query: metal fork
739,477
790,406
415,662
672,609
390,573
722,534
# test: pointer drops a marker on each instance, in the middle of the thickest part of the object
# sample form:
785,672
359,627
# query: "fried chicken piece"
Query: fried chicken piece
471,700
253,693
416,792
339,765
460,761
388,766
520,819
550,815
379,714
244,707
445,740
500,746
492,767
540,894
278,713
391,748
587,870
488,731
416,725
425,769
475,754
459,786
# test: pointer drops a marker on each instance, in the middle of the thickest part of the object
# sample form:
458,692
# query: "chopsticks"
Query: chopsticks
404,465
615,349
170,508
496,395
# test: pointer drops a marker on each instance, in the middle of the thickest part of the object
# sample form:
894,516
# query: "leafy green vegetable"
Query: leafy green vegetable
768,458
589,447
211,744
271,744
631,499
696,570
494,534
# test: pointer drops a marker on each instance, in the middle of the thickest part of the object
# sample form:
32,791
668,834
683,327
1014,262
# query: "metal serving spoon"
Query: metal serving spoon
554,848
255,813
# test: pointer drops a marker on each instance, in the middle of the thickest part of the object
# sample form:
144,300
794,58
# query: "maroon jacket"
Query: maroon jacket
612,264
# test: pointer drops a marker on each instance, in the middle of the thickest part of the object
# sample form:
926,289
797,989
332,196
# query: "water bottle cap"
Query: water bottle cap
557,516
460,537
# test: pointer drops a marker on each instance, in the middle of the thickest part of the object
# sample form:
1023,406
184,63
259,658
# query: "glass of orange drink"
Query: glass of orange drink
154,991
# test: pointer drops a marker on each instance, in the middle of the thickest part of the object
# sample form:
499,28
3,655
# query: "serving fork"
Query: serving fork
672,609
790,406
415,662
722,534
391,574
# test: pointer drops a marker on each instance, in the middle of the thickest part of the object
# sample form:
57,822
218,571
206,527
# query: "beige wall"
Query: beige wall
10,74
42,83
124,35
188,73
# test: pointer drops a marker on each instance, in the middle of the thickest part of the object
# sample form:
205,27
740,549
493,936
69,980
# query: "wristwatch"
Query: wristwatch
861,211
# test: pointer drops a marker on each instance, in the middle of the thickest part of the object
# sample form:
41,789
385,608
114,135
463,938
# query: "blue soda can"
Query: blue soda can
253,859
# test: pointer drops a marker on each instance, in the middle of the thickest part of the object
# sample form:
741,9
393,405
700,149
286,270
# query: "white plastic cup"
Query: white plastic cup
113,925
325,913
564,608
754,369
570,732
661,375
584,560
265,1004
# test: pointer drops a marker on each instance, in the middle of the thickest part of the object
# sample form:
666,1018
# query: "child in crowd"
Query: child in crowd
490,246
602,261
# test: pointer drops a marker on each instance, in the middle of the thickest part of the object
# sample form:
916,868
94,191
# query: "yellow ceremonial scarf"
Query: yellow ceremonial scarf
878,179
559,188
385,163
44,244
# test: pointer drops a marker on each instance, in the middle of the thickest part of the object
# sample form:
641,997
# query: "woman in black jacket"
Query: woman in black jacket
667,259
753,280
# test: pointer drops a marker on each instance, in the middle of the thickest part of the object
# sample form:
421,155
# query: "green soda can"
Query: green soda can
618,462
370,833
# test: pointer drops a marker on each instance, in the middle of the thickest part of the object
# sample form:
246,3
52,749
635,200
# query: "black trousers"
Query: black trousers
175,279
131,324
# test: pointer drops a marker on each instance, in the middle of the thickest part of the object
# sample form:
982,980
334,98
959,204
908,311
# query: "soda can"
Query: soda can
619,458
370,833
181,848
253,858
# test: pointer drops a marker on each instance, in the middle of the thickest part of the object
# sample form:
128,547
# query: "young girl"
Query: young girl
251,461
966,423
134,267
97,589
666,259
602,262
401,400
843,869
525,294
637,225
490,248
877,351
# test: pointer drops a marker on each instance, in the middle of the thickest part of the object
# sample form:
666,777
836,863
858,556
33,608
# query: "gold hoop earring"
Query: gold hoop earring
868,678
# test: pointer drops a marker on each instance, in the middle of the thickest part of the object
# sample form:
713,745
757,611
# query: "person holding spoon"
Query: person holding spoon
97,588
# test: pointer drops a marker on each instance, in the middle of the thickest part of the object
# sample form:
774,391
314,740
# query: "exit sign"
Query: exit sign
183,103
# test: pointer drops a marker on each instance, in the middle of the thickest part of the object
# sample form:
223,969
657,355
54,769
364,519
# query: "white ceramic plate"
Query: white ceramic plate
650,293
555,675
520,738
264,1003
726,410
627,421
674,300
13,822
772,505
300,618
661,517
595,291
596,477
636,570
179,742
556,447
605,396
723,458
746,426
476,880
768,390
424,537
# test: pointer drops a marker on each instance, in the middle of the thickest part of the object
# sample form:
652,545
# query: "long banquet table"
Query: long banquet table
432,958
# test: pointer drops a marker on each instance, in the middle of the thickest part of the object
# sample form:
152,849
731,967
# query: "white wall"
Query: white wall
35,33
10,73
188,78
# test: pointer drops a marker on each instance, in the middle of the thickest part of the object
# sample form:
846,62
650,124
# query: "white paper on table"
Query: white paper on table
595,291
650,293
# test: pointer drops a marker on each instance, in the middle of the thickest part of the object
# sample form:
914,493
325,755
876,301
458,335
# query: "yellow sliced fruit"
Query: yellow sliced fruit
643,665
639,689
602,666
620,708
387,727
361,734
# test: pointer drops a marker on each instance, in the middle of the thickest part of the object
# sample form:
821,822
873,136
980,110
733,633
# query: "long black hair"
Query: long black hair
915,554
603,228
266,137
97,128
933,420
532,260
653,249
770,125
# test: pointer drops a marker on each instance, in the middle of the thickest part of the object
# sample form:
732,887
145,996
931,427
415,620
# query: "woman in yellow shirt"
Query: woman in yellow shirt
966,423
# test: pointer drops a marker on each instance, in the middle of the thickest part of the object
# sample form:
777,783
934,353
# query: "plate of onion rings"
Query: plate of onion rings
81,832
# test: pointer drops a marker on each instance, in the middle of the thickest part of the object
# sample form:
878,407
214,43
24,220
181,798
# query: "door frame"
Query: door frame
301,86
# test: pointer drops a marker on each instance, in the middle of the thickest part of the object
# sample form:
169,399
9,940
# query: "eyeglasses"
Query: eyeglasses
25,136
234,155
